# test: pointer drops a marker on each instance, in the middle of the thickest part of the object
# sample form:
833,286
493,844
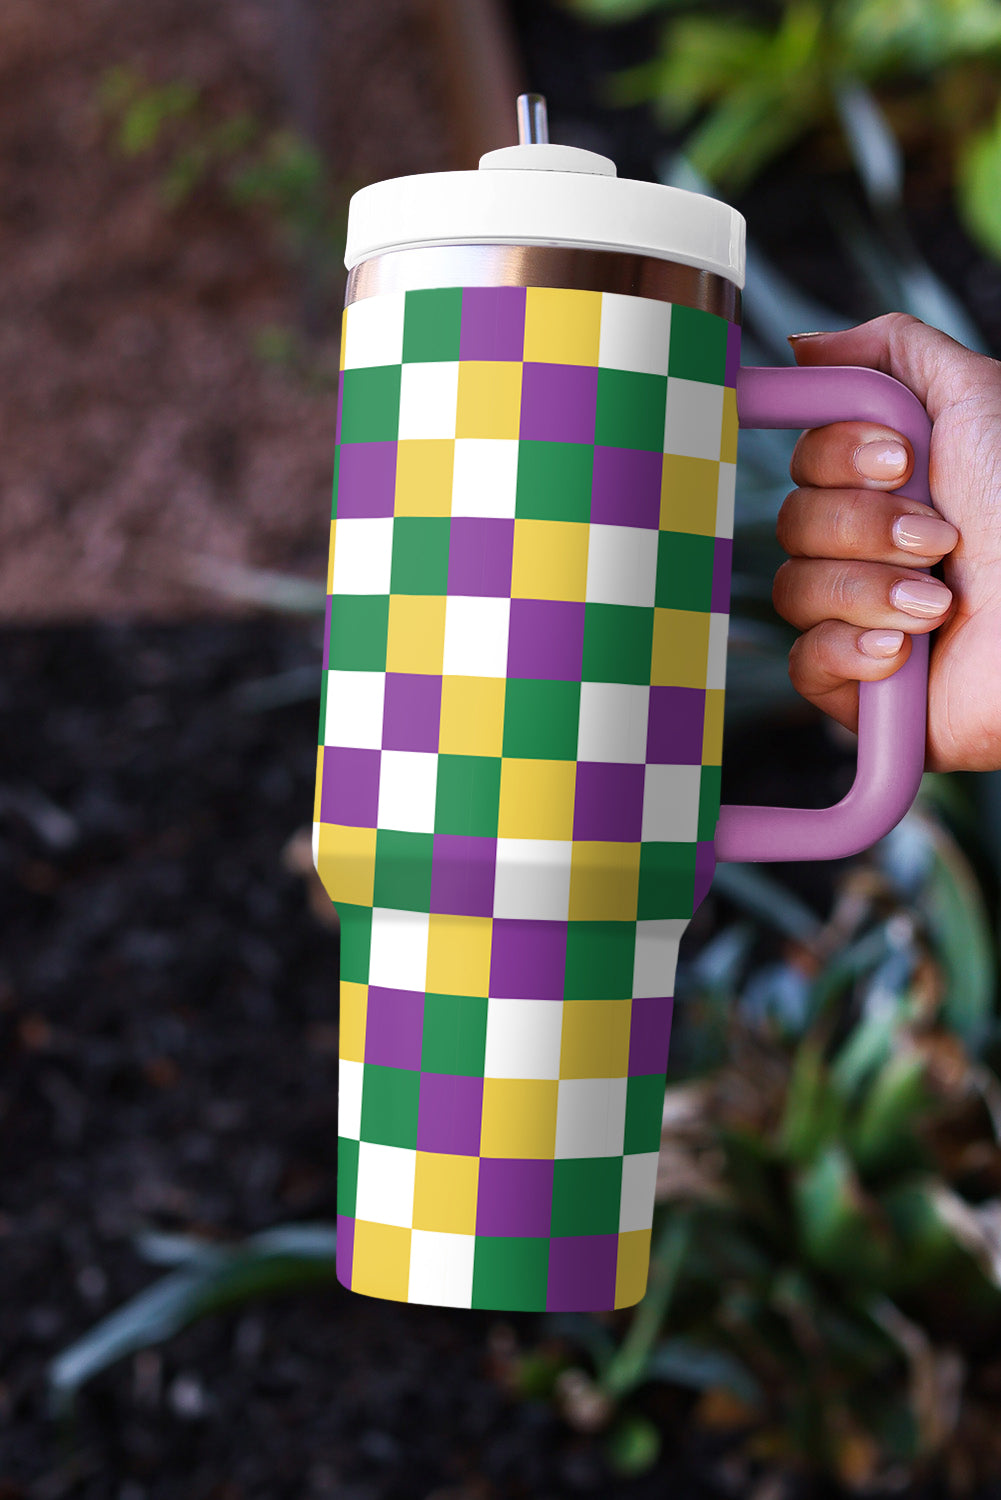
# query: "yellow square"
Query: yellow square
318,791
550,560
680,648
354,1008
458,955
380,1263
728,437
330,558
562,327
489,403
536,799
416,640
632,1267
472,716
344,335
595,1040
604,882
346,863
688,489
519,1117
712,728
424,477
445,1192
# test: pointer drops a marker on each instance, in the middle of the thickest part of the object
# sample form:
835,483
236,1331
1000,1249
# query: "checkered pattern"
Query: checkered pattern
518,776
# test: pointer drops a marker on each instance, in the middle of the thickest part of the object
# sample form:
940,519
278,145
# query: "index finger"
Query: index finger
852,455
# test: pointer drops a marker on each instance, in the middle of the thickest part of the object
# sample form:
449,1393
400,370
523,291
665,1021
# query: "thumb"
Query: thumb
940,371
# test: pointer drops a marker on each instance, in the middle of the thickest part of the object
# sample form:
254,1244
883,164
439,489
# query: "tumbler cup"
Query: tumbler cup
518,781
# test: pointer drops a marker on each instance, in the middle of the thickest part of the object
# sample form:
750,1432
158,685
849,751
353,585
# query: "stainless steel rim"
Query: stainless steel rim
569,266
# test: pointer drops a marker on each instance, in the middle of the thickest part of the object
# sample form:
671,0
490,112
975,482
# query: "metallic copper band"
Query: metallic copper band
427,266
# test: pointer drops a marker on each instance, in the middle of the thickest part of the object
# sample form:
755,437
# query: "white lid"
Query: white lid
542,194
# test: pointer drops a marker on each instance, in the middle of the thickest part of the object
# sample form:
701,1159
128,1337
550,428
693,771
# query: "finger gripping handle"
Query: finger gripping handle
892,713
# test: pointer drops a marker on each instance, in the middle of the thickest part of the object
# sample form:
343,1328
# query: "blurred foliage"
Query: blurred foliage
748,82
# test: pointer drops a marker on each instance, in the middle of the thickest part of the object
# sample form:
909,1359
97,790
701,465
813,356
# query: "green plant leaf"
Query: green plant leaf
978,186
839,1228
882,1133
701,1367
814,1112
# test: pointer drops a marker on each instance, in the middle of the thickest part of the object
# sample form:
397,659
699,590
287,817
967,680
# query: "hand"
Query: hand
851,584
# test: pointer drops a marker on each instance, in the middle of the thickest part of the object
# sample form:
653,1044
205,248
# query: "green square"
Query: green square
644,1113
586,1194
337,480
618,642
420,555
600,959
431,324
510,1273
455,1035
554,481
698,345
684,571
323,707
356,941
359,626
468,795
709,797
630,410
667,881
370,404
403,870
347,1175
389,1099
540,719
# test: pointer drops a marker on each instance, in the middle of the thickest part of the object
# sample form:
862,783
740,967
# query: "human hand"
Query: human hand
851,584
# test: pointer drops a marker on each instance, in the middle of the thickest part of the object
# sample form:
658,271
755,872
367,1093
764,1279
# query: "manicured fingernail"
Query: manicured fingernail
925,533
880,643
923,597
881,460
817,333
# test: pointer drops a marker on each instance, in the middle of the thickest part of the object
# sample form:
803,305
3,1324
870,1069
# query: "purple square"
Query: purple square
326,639
527,959
493,322
650,1034
412,713
479,556
546,640
345,1249
626,487
705,869
366,484
558,402
608,802
732,354
394,1024
350,792
462,875
514,1197
449,1114
719,599
674,728
582,1273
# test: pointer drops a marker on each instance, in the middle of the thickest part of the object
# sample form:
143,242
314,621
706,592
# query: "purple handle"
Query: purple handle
892,713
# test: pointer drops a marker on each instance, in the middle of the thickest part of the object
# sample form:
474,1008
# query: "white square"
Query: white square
398,958
671,804
533,879
355,702
635,333
639,1182
429,394
591,1117
725,497
363,556
656,958
385,1184
349,1082
622,565
485,477
693,426
441,1268
716,668
373,331
613,722
476,636
408,787
523,1038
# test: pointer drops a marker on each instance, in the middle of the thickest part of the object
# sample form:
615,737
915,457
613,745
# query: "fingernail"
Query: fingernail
925,533
817,333
880,642
923,597
881,460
